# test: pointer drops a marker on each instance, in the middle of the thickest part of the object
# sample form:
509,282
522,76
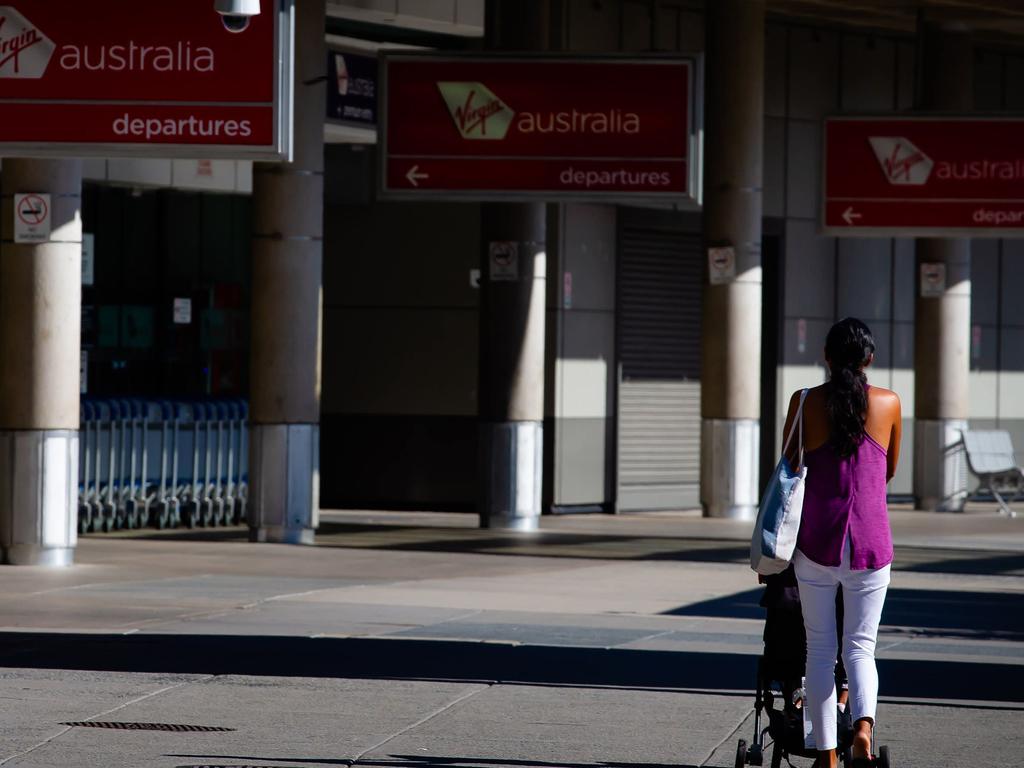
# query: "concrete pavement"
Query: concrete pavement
418,640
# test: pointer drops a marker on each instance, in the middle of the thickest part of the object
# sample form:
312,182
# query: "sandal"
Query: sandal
863,762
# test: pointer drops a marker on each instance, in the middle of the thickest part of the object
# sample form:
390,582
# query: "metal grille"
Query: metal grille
659,319
148,726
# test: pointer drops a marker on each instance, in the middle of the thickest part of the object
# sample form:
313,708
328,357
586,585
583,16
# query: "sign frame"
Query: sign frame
370,129
691,200
282,148
909,231
33,232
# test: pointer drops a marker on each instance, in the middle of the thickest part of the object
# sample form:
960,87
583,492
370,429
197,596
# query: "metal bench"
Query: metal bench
990,456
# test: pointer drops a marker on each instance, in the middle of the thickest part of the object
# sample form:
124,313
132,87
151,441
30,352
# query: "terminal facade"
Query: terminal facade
364,336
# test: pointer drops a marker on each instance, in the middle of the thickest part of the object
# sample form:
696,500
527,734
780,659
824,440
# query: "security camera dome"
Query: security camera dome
236,23
236,14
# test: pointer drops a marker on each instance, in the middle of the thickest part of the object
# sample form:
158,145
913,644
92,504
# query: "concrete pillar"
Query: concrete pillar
942,322
731,354
40,343
287,297
512,308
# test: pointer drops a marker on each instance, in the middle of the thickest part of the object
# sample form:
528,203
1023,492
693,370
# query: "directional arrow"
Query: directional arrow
848,215
414,176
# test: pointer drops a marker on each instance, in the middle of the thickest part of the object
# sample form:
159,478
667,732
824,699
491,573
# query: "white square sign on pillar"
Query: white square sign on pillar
721,265
504,260
933,280
182,311
32,218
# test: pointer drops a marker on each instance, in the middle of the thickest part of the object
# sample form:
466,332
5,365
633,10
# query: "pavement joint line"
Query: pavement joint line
441,710
136,700
730,735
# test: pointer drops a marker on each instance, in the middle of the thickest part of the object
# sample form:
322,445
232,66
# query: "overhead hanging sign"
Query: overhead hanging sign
120,78
511,127
352,88
953,176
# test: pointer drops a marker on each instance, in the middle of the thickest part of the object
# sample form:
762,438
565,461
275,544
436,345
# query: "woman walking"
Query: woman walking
852,438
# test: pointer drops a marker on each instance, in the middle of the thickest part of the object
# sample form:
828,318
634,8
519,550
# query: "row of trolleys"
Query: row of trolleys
162,463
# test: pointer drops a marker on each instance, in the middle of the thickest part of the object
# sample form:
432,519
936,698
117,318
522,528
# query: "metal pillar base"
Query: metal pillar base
730,451
39,496
511,470
284,482
940,465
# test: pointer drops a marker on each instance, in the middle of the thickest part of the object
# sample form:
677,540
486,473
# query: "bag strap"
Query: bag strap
797,424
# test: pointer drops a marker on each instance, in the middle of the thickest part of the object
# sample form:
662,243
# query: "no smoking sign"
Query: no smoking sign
32,218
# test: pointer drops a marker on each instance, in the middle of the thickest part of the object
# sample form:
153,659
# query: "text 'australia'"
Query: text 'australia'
130,56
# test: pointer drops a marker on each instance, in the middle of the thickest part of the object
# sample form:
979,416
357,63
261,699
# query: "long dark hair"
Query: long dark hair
848,347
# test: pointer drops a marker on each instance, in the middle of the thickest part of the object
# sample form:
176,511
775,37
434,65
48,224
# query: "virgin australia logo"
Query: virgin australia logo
477,112
25,51
902,162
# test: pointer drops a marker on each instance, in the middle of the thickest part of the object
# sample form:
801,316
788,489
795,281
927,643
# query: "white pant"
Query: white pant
863,596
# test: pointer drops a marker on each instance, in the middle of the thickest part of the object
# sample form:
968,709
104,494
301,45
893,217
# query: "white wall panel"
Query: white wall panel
94,169
803,181
775,70
983,393
905,57
774,190
1013,282
212,175
636,25
436,10
869,73
143,172
864,280
582,386
1011,391
470,12
810,272
813,73
984,281
904,280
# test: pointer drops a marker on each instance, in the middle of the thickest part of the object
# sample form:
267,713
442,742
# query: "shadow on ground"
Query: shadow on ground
470,661
975,615
561,544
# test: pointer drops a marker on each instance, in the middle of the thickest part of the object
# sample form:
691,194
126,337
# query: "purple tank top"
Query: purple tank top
846,497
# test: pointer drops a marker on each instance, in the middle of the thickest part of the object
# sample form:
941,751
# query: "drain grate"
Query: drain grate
149,727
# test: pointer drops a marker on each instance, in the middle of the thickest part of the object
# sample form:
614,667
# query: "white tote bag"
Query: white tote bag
778,516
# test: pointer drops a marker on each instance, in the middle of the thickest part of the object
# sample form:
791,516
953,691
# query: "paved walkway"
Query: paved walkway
419,640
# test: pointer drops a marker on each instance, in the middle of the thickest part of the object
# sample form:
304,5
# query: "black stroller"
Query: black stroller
779,673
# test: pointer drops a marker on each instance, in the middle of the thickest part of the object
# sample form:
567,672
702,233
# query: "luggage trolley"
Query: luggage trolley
167,509
113,511
88,495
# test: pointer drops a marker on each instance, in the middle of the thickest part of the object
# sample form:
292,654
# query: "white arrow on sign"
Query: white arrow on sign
849,216
414,176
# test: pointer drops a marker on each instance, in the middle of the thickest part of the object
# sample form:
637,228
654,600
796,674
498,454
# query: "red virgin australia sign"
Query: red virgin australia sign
924,176
512,127
120,77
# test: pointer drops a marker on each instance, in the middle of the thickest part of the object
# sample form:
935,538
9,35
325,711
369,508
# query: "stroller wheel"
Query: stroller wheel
741,754
883,757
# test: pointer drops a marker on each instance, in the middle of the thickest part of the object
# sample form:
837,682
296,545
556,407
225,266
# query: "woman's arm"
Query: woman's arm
895,435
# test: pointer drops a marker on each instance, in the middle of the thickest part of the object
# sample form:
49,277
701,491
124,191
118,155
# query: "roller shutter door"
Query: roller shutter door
659,316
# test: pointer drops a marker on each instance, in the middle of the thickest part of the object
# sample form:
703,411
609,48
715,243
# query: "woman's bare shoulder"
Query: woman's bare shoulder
882,393
886,399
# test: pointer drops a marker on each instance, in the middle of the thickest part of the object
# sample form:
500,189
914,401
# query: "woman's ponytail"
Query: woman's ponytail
848,347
